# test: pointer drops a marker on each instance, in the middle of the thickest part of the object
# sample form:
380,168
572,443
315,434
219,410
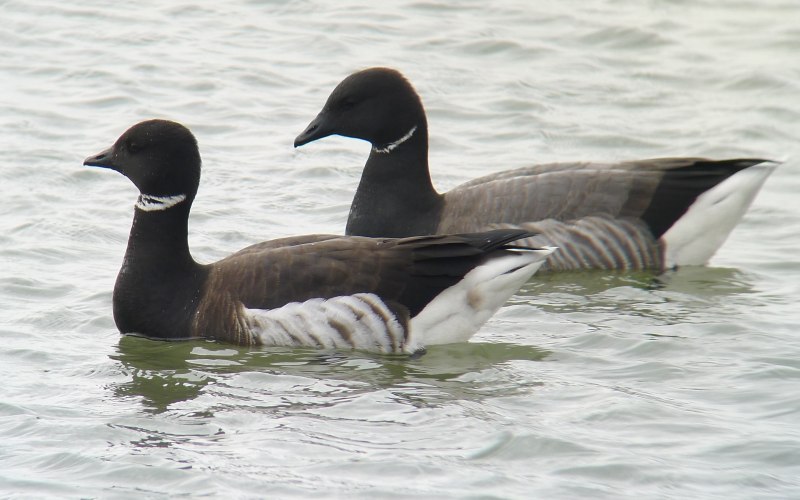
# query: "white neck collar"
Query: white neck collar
152,203
392,145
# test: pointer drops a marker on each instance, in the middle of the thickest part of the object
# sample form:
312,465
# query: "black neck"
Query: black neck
159,280
395,197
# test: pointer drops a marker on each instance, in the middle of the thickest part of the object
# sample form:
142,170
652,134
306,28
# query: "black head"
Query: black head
160,157
377,105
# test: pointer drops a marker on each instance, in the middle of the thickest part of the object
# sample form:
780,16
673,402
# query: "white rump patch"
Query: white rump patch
696,236
151,203
459,311
392,145
360,321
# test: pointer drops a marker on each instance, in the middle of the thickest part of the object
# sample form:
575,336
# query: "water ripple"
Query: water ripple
590,385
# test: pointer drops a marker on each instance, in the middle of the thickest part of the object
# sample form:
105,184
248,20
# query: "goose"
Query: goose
653,214
387,295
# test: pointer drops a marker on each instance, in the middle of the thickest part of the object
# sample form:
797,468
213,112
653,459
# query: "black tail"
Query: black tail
466,244
442,261
680,187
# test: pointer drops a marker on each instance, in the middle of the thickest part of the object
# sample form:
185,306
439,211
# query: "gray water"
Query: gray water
593,385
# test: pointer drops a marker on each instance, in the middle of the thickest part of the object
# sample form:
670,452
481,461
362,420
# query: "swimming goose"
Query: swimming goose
649,214
383,295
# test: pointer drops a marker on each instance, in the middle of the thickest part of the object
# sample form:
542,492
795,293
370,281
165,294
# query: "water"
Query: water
590,385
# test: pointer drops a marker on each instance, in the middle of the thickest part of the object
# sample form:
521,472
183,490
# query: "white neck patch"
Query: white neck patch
151,203
392,145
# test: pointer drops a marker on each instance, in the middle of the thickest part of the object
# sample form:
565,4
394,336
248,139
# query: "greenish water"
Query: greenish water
590,385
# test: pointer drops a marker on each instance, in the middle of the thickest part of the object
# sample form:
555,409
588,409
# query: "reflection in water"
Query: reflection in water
165,373
160,371
705,282
698,281
674,296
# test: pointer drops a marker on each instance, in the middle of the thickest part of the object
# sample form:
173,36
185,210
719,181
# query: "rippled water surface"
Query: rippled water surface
594,385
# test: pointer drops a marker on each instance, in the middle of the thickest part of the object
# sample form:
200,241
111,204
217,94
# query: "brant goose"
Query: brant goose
383,295
649,214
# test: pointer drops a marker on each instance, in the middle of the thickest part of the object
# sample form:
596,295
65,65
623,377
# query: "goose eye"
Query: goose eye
133,147
348,103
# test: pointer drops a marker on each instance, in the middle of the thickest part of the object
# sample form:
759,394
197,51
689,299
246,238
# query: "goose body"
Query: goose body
648,214
384,295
